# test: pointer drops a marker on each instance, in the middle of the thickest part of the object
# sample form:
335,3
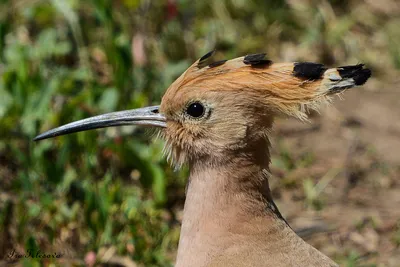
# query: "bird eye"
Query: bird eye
195,110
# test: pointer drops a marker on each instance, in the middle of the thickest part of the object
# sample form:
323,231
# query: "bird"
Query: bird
217,118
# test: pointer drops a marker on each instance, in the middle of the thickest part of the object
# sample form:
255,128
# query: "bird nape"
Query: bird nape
216,117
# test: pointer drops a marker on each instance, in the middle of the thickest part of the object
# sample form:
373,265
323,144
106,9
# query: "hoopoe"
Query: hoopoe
216,118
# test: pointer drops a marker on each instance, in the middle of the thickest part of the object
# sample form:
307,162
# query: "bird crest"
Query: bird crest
286,87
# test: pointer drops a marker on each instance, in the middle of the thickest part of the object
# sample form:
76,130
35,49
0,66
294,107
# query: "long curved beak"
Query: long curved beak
148,116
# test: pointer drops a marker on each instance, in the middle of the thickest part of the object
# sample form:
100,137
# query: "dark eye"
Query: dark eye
195,110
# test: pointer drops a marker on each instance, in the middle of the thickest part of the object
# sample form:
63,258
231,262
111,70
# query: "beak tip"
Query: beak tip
42,136
38,138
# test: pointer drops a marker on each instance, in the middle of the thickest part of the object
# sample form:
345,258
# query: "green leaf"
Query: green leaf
159,185
109,100
6,100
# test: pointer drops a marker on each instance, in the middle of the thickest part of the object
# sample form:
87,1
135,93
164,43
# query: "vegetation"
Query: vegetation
110,193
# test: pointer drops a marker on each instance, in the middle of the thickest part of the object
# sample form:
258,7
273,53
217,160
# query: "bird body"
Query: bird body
216,117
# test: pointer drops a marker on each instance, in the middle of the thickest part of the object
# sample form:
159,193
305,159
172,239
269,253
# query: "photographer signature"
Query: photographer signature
34,254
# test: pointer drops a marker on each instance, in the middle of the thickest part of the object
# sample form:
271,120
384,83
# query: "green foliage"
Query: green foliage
64,60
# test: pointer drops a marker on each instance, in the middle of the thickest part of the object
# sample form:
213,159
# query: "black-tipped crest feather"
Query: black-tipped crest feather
357,72
308,70
257,60
217,63
204,60
206,56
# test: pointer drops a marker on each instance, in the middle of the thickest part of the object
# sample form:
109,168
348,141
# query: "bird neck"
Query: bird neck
225,202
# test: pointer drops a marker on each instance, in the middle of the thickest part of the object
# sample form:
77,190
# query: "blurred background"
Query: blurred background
109,198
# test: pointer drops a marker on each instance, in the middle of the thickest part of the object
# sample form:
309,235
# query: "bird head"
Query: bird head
215,110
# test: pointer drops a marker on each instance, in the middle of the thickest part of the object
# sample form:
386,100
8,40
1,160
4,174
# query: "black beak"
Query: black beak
148,116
